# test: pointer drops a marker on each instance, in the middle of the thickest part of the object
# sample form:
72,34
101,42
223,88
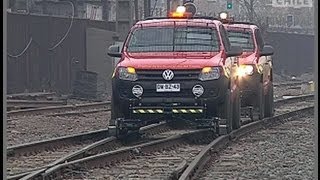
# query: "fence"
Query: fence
45,52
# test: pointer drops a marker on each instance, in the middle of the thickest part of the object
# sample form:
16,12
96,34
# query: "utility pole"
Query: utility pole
136,11
12,4
251,10
124,17
44,5
174,5
146,8
168,7
105,10
76,7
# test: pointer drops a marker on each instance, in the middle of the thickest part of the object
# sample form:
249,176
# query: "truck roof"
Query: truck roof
244,25
165,21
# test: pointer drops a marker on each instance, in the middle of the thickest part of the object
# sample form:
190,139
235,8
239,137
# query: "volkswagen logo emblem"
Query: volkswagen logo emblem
167,75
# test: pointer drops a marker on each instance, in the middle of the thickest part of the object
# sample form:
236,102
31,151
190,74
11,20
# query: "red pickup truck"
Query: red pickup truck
255,72
175,68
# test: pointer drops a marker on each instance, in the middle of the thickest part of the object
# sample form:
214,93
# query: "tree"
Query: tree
255,12
248,7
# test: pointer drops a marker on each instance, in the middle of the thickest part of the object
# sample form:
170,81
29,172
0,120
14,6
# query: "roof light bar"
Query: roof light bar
223,15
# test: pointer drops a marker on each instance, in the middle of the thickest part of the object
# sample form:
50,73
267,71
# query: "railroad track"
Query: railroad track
23,104
290,89
64,109
52,144
156,158
296,99
163,141
196,166
282,151
33,100
44,154
31,96
290,84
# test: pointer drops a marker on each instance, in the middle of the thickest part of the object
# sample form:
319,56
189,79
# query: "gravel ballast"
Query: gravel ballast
25,129
286,151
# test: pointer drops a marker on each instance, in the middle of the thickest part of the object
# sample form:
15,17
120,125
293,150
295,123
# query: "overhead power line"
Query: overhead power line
22,52
66,34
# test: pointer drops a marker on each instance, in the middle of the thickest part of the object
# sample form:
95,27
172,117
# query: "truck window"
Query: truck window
243,39
173,39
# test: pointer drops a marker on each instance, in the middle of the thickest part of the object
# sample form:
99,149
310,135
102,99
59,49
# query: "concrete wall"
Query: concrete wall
97,43
294,53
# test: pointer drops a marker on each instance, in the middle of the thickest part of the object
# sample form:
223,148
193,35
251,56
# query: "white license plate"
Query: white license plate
168,87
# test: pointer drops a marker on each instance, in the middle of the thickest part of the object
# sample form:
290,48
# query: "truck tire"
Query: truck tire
269,104
226,111
236,109
260,101
114,111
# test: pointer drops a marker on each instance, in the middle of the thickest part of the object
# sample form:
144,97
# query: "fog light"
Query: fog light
137,90
197,90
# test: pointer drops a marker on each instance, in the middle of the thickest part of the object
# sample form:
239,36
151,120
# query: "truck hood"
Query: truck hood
247,58
171,60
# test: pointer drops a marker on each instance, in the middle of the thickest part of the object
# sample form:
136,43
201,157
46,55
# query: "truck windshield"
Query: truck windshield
174,39
241,38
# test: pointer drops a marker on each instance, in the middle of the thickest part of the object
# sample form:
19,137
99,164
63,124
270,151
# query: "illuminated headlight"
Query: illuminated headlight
137,90
209,73
244,70
127,73
197,90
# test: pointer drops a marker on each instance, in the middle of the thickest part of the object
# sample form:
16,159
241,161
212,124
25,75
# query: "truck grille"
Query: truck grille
178,75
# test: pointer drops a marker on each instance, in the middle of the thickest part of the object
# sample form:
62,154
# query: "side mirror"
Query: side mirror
267,50
234,51
113,51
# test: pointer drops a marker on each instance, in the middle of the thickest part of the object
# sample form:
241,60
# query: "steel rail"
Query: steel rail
32,103
47,144
57,109
29,95
289,84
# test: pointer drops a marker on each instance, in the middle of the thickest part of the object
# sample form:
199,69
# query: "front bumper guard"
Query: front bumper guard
168,110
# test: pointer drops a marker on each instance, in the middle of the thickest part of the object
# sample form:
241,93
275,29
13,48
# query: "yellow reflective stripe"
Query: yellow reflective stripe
184,111
159,111
152,111
175,111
